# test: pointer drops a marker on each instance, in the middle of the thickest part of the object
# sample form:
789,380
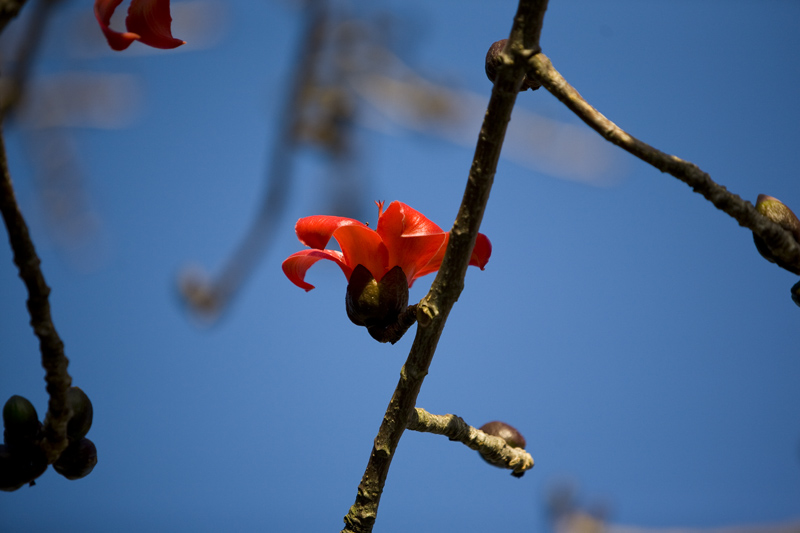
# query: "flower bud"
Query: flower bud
376,304
78,460
82,414
21,422
776,211
19,467
509,434
12,475
796,293
494,59
506,432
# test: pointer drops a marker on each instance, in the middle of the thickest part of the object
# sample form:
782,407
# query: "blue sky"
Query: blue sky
629,330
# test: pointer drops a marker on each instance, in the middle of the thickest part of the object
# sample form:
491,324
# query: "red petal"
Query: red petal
414,242
407,220
316,231
405,237
363,246
152,21
296,265
481,252
103,10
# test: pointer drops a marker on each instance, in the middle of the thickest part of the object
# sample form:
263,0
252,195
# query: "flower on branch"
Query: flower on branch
404,237
148,21
380,265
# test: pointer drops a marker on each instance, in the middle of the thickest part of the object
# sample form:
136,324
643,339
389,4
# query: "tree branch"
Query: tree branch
28,49
9,9
780,241
211,297
53,359
436,305
456,429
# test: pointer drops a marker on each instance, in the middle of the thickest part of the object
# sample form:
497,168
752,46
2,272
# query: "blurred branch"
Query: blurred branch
788,527
9,9
456,429
211,297
567,515
31,40
579,521
436,305
53,359
780,241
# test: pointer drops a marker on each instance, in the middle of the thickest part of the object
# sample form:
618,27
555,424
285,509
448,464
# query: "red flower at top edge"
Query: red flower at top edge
404,237
148,21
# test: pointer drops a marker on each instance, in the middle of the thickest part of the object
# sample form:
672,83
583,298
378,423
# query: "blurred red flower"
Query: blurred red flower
404,237
148,21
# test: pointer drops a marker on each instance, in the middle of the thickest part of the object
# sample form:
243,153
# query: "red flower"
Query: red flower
148,21
404,237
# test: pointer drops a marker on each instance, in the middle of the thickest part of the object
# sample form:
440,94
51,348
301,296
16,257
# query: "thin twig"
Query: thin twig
53,359
456,429
211,297
780,241
436,305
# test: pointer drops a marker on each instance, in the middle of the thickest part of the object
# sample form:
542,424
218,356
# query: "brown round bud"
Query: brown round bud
776,211
78,460
506,432
82,414
494,58
509,434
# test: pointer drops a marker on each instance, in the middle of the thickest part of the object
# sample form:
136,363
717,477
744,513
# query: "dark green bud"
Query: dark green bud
376,304
20,467
796,293
21,421
82,414
776,211
78,460
12,476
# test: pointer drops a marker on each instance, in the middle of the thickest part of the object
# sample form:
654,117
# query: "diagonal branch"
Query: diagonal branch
53,359
436,305
780,241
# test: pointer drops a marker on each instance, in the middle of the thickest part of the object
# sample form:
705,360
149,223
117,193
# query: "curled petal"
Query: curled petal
363,246
150,19
414,242
482,251
296,265
400,219
103,10
423,254
316,231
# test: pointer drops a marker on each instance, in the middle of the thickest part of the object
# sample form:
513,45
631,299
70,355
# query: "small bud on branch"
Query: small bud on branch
776,211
